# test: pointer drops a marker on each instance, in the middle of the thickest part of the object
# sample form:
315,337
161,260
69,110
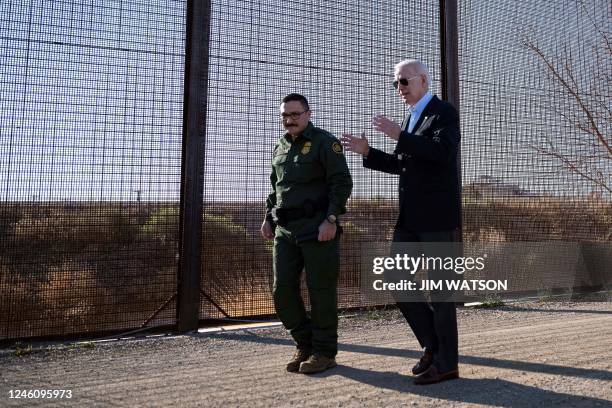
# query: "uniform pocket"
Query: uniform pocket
279,159
305,170
281,166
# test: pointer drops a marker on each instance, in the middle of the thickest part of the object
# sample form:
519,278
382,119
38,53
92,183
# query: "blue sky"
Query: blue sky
91,92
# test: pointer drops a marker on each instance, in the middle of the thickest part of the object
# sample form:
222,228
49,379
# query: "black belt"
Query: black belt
282,216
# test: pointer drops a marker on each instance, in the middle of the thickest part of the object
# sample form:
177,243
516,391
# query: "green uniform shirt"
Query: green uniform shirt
311,167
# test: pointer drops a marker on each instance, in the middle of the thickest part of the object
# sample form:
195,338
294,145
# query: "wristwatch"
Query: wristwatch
331,218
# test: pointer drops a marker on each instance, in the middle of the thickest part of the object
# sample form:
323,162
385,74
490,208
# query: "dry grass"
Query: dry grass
91,267
537,219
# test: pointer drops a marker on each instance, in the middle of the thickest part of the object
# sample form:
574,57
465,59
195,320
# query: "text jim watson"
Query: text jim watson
471,284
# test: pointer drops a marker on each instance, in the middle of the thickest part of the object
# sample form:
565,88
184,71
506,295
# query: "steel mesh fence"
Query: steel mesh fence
340,55
90,142
536,126
91,105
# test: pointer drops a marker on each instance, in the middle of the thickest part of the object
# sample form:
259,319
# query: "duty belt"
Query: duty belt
282,216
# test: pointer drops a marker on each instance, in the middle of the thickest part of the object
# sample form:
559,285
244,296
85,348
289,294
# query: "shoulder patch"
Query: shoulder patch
337,147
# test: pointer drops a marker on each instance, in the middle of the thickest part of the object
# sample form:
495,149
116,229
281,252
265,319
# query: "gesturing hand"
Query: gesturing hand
387,126
355,144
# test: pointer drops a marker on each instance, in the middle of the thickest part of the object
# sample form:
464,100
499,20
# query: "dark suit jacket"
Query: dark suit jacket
426,161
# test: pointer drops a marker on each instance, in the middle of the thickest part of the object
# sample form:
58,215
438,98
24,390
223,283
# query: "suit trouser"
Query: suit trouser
433,323
320,261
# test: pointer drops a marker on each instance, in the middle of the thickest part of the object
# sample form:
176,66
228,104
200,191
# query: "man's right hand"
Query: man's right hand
266,230
355,144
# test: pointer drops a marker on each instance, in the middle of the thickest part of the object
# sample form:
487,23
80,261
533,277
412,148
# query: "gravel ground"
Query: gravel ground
520,355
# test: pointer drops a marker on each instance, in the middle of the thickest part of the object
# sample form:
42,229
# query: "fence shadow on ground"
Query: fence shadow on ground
415,354
495,392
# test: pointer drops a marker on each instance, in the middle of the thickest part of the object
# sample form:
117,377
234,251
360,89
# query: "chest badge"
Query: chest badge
306,148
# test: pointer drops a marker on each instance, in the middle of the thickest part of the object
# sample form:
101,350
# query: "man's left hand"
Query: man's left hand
387,126
327,231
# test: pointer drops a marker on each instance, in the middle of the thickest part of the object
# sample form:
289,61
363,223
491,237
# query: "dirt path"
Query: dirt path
550,354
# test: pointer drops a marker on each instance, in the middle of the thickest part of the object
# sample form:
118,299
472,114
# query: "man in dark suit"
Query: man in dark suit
425,158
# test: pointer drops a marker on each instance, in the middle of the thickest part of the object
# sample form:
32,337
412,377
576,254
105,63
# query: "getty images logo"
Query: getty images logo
403,262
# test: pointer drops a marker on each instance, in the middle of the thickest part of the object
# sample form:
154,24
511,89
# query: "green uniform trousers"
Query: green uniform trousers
320,262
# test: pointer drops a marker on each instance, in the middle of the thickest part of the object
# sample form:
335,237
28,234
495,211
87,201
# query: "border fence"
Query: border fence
136,137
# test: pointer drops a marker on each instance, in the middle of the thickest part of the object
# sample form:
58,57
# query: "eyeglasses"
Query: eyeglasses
293,115
404,81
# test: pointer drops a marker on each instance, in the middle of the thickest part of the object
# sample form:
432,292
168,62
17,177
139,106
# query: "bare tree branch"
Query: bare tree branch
557,75
606,40
592,114
599,181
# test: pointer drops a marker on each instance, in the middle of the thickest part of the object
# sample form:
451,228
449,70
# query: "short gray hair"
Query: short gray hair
421,68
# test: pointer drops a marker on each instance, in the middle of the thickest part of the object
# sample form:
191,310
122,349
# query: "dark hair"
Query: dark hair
297,97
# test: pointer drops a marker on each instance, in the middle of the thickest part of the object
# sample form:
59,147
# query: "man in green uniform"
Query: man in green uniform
311,183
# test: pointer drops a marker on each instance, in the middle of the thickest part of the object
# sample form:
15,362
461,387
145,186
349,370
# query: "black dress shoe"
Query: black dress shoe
432,376
423,364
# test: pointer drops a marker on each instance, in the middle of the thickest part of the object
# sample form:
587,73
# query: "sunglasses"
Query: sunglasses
292,115
403,81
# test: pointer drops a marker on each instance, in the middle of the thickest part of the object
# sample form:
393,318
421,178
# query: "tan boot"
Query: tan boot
300,356
317,363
